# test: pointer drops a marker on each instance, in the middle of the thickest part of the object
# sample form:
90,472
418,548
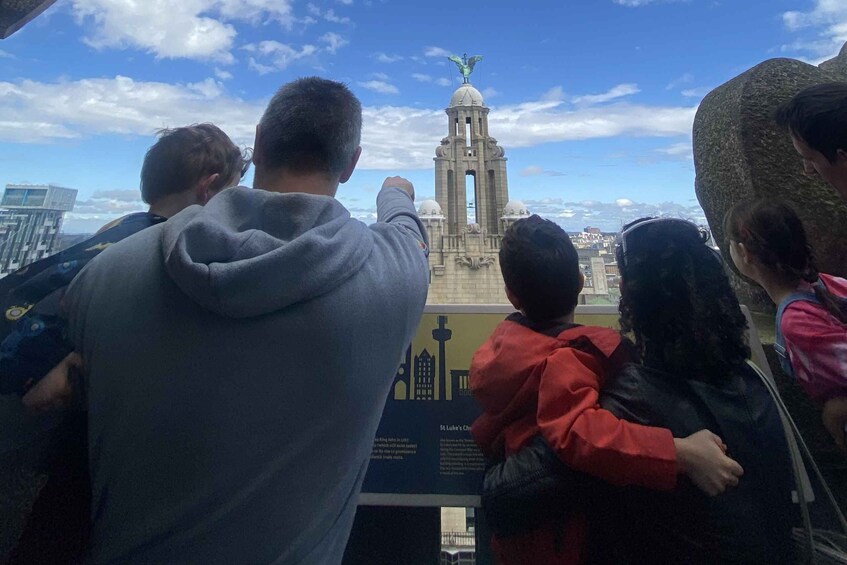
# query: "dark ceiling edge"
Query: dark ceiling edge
26,19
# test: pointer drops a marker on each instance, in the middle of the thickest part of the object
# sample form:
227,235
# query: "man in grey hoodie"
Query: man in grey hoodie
239,355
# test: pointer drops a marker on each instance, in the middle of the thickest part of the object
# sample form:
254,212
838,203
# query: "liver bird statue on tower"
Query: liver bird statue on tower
465,65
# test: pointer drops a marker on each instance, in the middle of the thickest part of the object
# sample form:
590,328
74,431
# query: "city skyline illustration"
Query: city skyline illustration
425,376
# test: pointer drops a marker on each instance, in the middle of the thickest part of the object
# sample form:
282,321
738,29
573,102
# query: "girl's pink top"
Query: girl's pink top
817,343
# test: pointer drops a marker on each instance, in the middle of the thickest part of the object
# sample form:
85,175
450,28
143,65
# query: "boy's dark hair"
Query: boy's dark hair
312,125
184,156
677,303
818,116
541,268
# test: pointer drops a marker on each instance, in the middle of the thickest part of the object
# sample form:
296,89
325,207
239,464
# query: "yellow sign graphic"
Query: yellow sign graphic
436,365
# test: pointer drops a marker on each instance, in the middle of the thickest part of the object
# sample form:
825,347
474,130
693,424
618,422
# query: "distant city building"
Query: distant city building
30,221
593,238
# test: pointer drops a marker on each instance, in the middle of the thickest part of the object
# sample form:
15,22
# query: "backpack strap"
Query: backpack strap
779,346
801,456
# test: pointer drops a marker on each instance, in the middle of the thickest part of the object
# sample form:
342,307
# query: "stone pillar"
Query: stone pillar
739,153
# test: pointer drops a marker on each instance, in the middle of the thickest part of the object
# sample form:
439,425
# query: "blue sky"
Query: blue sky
593,100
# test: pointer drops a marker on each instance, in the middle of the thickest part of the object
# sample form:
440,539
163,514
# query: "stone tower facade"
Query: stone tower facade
463,257
470,166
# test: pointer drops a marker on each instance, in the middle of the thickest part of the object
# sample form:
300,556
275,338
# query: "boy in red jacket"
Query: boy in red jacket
539,373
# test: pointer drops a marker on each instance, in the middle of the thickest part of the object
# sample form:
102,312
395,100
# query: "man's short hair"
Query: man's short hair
541,268
818,116
311,125
184,156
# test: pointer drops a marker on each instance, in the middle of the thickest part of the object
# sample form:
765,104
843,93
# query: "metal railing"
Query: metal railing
458,539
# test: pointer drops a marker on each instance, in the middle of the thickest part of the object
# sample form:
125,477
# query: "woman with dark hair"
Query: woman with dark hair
768,245
692,373
689,372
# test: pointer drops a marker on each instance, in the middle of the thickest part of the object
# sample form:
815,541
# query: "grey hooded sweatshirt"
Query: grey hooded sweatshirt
238,358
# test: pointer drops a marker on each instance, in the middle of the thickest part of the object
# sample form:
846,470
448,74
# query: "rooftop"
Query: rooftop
467,95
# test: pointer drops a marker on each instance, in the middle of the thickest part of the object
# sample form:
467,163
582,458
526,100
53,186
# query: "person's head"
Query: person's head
541,269
312,126
676,300
768,244
196,162
767,240
816,118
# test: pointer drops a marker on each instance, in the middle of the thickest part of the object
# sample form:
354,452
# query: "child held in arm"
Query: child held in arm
540,374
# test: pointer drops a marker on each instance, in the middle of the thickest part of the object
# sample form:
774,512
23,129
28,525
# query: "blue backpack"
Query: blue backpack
779,346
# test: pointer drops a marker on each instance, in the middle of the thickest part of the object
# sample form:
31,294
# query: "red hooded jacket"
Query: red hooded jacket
532,379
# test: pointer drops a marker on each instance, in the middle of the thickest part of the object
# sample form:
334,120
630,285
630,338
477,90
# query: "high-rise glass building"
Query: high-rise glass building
30,222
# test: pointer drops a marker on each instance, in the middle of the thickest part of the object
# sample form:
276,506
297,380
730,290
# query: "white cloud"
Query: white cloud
167,30
682,150
6,55
698,92
535,170
253,11
532,123
260,68
444,82
555,94
333,42
90,220
490,92
35,112
385,58
380,86
422,129
823,13
223,75
618,91
346,2
191,29
331,16
109,202
687,78
279,55
436,52
421,77
39,112
827,21
609,216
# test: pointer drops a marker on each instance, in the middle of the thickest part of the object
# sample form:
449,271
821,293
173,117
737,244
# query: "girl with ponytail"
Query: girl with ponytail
768,244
